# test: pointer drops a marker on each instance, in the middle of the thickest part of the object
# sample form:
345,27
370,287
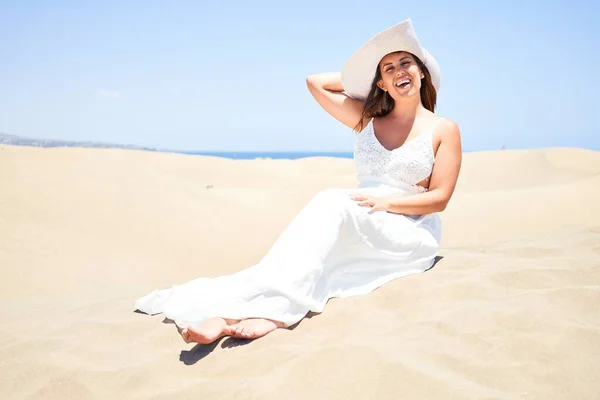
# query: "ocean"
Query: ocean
276,155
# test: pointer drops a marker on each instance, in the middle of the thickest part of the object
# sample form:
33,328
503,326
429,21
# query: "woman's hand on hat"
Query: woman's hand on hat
374,203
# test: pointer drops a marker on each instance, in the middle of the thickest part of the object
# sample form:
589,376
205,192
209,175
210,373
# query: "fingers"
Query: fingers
363,200
362,197
358,197
375,208
367,201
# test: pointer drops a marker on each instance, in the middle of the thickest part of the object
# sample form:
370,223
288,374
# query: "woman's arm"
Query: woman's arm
448,160
327,89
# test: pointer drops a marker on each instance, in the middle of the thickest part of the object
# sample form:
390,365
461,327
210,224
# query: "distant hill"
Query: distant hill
27,141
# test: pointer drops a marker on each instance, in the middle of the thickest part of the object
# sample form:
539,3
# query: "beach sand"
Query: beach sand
509,312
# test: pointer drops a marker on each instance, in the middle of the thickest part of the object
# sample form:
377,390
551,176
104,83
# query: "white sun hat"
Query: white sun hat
358,72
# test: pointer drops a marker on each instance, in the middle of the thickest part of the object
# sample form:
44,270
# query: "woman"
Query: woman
345,242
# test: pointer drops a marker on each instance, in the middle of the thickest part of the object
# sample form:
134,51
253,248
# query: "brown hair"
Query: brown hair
379,102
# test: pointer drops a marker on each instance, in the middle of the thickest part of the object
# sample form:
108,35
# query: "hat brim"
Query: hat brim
358,72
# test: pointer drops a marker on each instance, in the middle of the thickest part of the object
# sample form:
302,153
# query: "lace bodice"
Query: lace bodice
409,164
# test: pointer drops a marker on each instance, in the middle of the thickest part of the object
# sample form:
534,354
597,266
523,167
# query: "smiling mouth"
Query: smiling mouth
402,84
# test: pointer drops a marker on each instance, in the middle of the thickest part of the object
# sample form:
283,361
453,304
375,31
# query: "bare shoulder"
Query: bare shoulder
447,128
446,136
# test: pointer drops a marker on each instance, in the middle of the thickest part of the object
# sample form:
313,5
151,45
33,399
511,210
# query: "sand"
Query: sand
509,312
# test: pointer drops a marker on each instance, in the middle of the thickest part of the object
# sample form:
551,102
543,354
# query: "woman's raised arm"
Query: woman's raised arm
327,89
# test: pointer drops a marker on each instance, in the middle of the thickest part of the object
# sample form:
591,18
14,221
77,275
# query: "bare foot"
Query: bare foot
211,330
254,328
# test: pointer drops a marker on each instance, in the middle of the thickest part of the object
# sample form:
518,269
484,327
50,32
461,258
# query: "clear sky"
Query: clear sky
209,75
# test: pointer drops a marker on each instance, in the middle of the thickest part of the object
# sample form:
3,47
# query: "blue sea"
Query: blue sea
276,155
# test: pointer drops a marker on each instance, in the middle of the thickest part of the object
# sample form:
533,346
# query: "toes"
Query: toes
246,333
240,332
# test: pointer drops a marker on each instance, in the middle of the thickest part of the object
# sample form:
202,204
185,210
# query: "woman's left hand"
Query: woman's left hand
375,203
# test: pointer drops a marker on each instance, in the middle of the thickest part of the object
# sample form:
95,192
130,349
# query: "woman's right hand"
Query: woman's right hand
327,89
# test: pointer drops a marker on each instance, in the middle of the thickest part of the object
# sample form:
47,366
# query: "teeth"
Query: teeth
400,83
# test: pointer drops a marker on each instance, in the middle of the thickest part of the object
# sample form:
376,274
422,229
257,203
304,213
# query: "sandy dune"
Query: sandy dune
510,312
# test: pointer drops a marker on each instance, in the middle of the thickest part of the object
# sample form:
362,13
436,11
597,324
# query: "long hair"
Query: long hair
379,102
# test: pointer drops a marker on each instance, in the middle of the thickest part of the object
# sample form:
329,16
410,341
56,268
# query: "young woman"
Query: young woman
345,242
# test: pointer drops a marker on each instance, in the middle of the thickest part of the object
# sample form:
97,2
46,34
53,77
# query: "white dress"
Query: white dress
332,248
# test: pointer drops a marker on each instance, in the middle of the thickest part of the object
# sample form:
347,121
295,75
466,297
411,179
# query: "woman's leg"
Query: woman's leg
291,270
307,240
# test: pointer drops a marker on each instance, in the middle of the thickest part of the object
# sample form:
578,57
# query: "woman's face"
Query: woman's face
400,75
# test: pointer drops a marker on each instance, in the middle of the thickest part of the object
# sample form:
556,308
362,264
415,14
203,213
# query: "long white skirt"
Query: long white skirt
332,248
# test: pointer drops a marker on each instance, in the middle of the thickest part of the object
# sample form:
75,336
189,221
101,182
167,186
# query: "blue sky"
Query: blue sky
197,75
